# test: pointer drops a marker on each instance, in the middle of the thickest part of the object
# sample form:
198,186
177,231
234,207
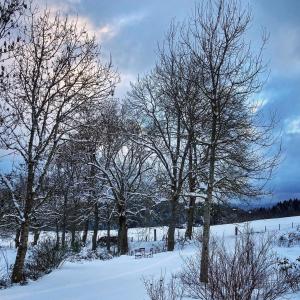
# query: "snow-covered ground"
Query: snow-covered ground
121,278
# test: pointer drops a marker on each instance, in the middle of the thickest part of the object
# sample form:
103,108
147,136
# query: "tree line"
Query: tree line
187,132
286,208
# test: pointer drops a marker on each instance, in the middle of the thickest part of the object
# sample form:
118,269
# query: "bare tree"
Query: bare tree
210,67
237,142
70,205
55,70
160,101
100,129
123,177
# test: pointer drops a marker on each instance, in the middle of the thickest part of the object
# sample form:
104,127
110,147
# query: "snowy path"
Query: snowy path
121,278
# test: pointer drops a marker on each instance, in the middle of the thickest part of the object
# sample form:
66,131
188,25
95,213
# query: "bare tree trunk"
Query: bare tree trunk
122,235
190,218
85,231
96,224
64,223
207,204
63,237
17,274
205,243
17,238
36,236
108,237
73,235
57,235
192,202
172,224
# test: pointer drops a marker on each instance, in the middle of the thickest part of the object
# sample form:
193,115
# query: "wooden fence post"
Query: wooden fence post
236,230
155,235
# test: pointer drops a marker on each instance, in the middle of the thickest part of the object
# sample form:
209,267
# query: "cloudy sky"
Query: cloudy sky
129,30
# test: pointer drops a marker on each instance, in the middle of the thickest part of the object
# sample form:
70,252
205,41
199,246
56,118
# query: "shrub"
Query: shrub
250,271
291,271
161,290
76,246
289,239
43,259
88,254
4,270
103,240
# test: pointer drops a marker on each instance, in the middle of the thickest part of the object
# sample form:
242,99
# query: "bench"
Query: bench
141,252
150,253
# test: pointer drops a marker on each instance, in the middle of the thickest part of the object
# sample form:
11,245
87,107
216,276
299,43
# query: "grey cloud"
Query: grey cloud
133,53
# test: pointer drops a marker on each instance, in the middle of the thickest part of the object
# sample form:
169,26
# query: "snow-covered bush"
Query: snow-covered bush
76,246
289,239
43,258
249,271
4,281
291,271
161,290
88,254
4,270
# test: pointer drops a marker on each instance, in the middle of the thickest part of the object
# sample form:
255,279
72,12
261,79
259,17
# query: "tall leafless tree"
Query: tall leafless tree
123,171
211,68
230,72
99,129
55,70
159,100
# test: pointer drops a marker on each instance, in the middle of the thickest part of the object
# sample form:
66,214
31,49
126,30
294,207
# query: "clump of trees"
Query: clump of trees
187,133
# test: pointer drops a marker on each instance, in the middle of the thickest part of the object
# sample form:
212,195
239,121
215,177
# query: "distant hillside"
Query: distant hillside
287,208
221,214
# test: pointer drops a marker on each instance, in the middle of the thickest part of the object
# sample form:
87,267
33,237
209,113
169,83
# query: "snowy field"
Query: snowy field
121,278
